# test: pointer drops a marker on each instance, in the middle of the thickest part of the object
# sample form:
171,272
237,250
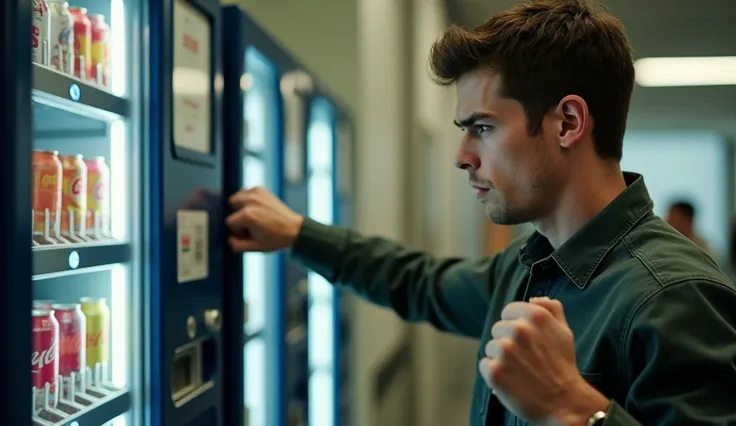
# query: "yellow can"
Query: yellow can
98,330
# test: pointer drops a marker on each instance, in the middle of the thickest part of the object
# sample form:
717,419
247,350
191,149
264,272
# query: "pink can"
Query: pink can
44,360
72,338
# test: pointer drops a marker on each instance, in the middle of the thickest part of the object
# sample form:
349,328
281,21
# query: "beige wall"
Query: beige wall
328,50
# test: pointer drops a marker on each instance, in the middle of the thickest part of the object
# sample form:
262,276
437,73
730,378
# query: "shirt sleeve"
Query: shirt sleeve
680,353
452,294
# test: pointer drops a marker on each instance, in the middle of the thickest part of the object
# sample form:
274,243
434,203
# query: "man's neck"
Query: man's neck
579,203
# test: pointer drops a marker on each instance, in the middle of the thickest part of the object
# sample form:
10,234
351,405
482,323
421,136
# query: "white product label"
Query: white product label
192,78
192,257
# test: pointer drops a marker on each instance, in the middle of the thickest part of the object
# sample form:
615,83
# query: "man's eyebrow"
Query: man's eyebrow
472,118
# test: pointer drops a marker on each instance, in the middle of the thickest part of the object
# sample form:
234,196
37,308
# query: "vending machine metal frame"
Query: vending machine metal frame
15,270
23,83
190,321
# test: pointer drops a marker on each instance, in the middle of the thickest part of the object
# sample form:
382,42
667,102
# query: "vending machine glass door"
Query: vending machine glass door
321,322
260,271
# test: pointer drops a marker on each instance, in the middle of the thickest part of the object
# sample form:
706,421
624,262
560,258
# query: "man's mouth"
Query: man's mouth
481,191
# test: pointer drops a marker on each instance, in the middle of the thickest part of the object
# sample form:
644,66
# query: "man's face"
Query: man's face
680,221
517,176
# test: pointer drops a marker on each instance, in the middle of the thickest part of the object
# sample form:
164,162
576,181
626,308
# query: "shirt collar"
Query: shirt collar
581,254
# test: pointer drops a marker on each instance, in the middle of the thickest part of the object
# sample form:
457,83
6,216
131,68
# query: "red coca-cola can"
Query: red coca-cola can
72,338
45,360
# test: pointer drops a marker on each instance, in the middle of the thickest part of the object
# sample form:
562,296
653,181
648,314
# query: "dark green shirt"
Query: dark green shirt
654,317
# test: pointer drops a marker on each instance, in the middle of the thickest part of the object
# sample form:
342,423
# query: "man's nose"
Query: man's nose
465,157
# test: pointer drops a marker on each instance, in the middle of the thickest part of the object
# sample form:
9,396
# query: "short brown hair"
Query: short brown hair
545,50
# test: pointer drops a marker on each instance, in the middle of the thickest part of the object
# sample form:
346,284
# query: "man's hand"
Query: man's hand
531,366
262,222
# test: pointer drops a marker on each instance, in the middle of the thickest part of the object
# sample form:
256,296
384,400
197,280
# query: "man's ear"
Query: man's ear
575,119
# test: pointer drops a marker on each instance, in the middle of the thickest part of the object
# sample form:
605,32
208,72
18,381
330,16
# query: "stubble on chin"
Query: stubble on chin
499,212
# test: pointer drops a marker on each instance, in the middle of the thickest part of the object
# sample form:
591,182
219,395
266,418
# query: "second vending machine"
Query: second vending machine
284,132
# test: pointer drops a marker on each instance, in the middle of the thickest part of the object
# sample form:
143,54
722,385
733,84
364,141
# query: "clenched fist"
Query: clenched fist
262,222
530,366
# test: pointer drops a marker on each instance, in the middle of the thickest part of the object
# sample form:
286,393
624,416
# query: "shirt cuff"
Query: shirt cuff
617,416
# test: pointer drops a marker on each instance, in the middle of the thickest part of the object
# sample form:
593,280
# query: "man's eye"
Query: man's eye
482,128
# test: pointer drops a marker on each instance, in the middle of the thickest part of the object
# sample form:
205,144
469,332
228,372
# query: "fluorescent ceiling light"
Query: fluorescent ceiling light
695,71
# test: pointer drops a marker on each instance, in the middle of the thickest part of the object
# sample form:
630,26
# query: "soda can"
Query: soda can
100,49
73,197
43,304
47,179
98,324
72,338
45,360
61,35
98,197
40,22
82,43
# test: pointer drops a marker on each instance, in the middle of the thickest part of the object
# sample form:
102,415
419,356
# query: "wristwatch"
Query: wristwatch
597,419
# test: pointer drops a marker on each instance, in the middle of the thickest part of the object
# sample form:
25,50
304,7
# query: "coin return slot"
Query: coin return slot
191,372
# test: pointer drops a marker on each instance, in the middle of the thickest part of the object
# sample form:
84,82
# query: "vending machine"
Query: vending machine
114,275
280,126
72,256
265,128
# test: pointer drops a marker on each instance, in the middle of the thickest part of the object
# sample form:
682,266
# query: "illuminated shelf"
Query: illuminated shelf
99,413
53,260
64,91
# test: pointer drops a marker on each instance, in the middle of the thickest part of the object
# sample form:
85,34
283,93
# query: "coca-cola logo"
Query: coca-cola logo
70,345
77,186
43,358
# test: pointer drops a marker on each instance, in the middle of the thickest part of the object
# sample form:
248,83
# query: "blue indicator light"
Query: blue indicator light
75,93
73,261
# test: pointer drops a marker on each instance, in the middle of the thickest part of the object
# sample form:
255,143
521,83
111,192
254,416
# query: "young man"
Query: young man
648,331
681,216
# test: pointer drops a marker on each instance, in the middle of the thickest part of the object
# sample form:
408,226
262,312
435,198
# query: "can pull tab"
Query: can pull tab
213,320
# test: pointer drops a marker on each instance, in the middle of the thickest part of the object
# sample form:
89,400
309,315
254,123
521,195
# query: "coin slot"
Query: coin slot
192,371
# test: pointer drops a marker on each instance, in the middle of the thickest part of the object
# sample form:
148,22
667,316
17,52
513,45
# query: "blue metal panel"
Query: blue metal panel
15,163
183,180
233,69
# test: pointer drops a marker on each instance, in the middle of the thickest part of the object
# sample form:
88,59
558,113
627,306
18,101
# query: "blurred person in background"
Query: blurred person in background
604,314
682,215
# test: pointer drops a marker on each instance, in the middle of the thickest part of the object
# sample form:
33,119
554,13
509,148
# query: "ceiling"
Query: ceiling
660,28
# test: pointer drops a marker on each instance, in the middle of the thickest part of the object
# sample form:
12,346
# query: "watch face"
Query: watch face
597,419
